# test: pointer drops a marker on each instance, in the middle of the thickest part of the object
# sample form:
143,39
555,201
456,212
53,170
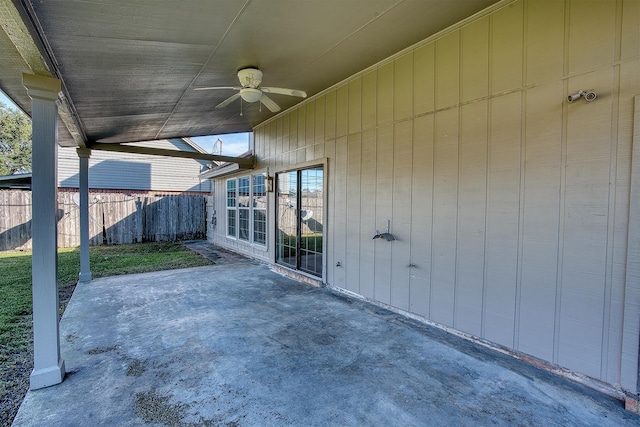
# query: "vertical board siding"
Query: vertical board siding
330,179
630,43
424,79
545,40
543,156
384,212
302,128
447,64
342,111
506,48
503,198
384,99
586,208
400,225
319,119
445,210
592,33
355,106
340,219
474,75
310,130
627,241
353,193
367,213
471,220
510,205
369,83
403,87
421,215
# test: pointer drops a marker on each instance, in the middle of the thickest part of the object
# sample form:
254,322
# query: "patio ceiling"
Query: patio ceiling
129,68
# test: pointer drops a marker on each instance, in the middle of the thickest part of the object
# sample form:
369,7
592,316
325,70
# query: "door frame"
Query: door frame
324,164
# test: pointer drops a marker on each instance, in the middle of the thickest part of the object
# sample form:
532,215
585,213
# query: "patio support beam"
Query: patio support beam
242,162
85,267
48,366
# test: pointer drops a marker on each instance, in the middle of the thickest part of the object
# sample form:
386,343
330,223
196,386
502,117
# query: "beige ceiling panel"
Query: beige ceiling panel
130,67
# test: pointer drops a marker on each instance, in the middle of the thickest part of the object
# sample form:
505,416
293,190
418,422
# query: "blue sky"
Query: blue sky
6,101
233,144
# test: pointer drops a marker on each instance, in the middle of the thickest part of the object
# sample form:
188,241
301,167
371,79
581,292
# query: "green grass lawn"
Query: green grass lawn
15,299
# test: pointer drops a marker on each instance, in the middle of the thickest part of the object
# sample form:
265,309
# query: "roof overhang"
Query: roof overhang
128,69
21,181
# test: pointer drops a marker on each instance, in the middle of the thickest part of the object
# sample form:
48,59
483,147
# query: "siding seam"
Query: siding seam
611,222
521,202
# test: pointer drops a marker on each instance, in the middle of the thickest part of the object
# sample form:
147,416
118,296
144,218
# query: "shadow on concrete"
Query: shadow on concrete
237,344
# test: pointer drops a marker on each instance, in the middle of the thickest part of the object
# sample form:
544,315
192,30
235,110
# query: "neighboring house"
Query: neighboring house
135,198
139,172
20,181
509,205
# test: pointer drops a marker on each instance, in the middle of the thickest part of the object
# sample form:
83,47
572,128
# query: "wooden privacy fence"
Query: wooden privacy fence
114,218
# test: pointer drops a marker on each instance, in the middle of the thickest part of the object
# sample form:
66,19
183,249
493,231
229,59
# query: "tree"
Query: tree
15,141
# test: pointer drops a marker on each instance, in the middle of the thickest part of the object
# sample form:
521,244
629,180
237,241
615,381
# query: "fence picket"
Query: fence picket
114,218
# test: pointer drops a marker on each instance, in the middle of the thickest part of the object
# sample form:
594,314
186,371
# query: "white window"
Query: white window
244,198
259,205
231,207
247,209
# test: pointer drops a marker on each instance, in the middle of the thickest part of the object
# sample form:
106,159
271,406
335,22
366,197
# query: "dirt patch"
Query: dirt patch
136,368
156,408
101,350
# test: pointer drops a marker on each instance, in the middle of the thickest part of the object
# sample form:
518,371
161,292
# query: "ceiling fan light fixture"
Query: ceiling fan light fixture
250,94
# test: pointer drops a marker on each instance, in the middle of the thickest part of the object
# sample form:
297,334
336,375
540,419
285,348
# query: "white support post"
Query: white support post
48,366
85,267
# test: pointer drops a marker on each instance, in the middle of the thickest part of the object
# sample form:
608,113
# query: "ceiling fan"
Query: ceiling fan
251,91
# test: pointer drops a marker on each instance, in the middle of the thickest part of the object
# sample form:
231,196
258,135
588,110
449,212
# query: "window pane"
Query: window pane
231,222
286,233
260,226
259,186
243,192
231,193
243,224
259,204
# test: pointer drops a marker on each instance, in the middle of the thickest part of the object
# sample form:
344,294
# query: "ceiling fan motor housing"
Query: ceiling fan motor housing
250,78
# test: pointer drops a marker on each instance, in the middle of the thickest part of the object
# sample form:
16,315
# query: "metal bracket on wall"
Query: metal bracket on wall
386,236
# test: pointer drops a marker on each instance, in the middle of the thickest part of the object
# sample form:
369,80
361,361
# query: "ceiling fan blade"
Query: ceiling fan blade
218,87
283,91
269,103
228,101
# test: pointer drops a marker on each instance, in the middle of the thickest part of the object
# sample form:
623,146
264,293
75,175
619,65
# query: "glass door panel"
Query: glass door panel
286,238
311,210
300,211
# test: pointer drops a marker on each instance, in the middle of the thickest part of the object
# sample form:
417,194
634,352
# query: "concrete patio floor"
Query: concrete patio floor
239,345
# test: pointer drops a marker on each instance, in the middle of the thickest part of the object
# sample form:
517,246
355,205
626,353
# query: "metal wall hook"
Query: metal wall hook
386,236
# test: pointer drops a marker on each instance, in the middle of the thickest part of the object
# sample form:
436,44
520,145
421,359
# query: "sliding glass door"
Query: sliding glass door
300,210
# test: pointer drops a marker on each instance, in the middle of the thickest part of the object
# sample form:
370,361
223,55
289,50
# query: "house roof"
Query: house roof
128,69
21,180
224,168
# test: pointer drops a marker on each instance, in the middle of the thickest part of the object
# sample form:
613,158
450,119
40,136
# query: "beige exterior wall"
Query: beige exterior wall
512,204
